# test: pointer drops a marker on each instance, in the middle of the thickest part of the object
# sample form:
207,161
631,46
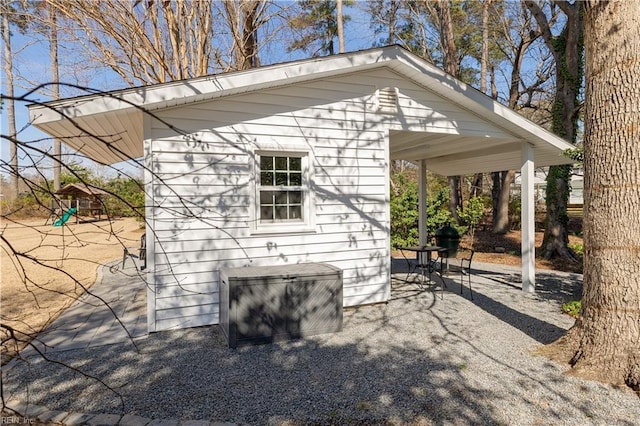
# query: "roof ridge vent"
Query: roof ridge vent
387,98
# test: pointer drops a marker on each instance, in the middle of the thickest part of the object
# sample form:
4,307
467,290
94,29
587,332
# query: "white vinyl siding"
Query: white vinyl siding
204,188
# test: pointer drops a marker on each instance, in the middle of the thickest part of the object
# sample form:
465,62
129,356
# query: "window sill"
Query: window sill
282,229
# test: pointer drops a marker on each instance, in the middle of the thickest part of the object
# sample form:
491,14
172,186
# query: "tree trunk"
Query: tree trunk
448,41
455,196
393,11
11,115
450,66
477,185
249,49
566,49
484,58
340,26
476,188
605,342
55,78
556,231
501,191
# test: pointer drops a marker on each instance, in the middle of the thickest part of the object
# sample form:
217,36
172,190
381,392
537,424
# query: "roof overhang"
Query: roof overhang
108,127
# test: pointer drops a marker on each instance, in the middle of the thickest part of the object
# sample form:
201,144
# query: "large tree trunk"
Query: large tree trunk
476,188
455,196
605,343
484,57
249,49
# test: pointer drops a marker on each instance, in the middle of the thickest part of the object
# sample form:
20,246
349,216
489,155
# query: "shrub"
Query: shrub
470,216
404,211
29,205
515,216
578,248
438,214
573,308
131,197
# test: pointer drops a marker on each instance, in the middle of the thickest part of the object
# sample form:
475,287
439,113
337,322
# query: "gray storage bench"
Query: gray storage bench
266,303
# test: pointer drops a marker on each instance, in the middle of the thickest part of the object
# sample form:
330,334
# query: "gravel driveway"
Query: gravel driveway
419,359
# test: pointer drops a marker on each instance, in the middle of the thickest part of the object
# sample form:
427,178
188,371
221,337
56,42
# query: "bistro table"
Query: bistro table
425,262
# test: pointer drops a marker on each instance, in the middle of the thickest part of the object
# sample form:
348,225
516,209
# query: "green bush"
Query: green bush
470,215
129,201
404,211
438,214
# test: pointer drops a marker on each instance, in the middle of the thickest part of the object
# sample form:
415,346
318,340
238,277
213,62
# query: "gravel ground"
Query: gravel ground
419,359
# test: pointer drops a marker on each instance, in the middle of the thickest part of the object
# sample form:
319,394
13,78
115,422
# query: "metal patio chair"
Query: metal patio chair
142,253
465,267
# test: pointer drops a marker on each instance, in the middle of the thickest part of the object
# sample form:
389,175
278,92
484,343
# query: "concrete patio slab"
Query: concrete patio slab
112,311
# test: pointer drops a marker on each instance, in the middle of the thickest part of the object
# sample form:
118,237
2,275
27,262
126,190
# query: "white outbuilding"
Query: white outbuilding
289,163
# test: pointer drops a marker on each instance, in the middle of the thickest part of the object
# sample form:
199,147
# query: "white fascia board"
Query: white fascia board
171,94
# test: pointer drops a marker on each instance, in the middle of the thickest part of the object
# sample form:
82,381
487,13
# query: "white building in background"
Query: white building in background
540,185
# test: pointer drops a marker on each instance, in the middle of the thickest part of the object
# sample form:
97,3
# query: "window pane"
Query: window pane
266,178
295,179
295,197
295,163
281,179
295,212
266,163
281,212
281,163
281,198
266,213
266,197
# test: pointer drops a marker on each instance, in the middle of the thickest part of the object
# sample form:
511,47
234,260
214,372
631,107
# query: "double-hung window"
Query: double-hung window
282,190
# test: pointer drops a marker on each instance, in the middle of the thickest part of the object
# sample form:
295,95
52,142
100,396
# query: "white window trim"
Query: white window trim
307,224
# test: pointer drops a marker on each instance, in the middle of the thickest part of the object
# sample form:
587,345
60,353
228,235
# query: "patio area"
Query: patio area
418,359
91,321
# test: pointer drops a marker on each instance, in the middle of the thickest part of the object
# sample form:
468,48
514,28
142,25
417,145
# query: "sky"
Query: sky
32,63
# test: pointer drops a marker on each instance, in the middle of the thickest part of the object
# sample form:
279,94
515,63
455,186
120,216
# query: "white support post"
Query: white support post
422,202
149,213
528,219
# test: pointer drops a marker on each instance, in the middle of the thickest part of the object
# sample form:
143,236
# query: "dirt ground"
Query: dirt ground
486,242
487,245
54,265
